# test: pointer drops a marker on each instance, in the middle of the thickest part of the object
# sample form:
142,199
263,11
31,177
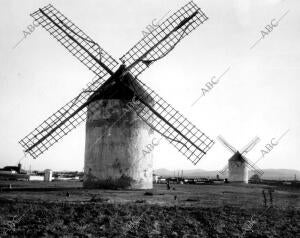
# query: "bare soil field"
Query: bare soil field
65,209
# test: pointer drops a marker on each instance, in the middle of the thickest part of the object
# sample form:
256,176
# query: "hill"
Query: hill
278,174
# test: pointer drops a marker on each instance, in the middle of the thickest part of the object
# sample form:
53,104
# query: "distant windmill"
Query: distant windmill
238,164
113,143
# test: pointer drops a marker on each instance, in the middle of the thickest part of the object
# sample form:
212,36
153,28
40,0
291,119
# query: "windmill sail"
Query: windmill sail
224,170
60,123
168,122
250,146
75,40
252,166
164,38
226,144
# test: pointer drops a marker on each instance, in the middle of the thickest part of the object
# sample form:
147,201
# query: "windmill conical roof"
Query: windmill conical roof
236,157
125,90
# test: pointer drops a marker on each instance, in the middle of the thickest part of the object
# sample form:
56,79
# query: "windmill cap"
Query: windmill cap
125,89
236,157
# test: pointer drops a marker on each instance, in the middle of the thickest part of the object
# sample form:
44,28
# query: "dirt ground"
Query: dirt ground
64,209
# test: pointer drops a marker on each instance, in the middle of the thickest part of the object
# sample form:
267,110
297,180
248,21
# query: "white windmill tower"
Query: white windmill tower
238,164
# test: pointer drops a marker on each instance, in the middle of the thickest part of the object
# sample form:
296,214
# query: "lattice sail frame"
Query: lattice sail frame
186,137
163,38
56,119
247,148
75,40
226,144
251,165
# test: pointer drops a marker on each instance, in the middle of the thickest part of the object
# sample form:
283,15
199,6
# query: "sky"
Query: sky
250,47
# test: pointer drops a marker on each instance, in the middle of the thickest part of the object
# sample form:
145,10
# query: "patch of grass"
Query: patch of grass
141,220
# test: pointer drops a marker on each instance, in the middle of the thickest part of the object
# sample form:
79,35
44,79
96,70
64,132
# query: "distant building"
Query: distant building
48,175
13,169
13,173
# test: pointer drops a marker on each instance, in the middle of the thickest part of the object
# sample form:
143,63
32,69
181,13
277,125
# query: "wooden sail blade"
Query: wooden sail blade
60,123
163,39
76,41
168,122
226,144
252,166
250,145
224,170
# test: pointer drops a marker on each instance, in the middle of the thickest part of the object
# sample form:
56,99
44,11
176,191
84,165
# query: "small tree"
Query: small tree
255,178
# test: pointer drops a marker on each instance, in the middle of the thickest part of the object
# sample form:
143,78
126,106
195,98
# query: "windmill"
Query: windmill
238,164
113,145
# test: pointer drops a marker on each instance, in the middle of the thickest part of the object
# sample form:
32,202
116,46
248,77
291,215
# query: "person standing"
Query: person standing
168,185
265,197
